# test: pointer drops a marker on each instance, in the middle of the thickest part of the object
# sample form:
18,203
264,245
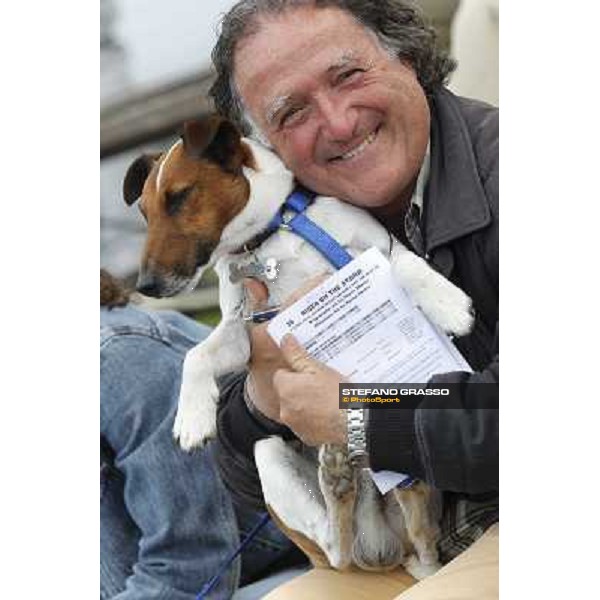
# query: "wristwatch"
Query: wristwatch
356,421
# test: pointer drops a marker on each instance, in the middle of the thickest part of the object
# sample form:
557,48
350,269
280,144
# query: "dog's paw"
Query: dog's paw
382,552
336,472
458,315
195,425
444,303
449,308
418,569
196,420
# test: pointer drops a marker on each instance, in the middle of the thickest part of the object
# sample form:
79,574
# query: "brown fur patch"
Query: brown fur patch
415,501
112,291
248,157
316,556
215,198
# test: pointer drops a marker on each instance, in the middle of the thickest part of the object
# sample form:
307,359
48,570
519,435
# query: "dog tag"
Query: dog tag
254,269
271,269
237,272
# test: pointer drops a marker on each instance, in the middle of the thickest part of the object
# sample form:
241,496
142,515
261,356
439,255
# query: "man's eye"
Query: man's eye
174,200
292,116
349,74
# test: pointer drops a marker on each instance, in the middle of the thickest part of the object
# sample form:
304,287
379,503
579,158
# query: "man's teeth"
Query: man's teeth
369,139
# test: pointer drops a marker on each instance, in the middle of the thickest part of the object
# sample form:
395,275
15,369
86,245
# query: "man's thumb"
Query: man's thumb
256,294
297,357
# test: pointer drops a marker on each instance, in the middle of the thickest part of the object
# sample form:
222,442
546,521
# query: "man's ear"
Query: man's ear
136,176
215,139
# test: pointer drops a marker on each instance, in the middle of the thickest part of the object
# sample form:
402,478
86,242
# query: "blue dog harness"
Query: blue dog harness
291,217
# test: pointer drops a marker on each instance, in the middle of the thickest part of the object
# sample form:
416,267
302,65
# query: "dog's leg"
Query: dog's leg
225,350
422,528
443,302
291,490
376,545
338,486
394,515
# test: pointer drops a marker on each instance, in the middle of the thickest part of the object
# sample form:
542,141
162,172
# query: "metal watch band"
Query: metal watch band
357,435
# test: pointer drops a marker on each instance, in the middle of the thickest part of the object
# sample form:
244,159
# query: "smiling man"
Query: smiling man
338,119
350,94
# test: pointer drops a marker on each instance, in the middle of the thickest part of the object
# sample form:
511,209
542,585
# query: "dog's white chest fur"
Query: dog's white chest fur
349,522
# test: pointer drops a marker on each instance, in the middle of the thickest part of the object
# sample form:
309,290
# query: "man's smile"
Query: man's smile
359,149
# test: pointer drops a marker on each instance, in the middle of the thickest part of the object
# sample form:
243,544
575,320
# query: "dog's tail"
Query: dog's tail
113,292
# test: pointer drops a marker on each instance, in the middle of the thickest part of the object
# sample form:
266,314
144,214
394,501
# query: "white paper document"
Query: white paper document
363,324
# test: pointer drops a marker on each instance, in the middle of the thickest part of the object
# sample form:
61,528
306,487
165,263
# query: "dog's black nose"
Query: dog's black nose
148,285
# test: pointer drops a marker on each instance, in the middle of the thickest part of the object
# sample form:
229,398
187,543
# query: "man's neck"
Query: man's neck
393,215
396,209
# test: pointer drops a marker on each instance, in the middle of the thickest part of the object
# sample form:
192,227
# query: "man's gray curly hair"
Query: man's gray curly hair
399,27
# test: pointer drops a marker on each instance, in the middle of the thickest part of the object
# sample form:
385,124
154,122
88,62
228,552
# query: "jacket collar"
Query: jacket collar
455,201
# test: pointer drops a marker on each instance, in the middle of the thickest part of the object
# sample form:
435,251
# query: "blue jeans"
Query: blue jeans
167,522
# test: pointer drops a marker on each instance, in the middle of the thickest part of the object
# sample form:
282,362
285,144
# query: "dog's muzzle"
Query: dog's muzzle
158,285
149,284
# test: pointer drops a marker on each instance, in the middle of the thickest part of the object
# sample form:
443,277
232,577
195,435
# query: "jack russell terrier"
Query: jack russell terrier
207,202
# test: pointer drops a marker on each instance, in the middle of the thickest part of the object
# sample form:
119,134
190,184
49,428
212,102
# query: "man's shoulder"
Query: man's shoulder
470,127
478,114
482,121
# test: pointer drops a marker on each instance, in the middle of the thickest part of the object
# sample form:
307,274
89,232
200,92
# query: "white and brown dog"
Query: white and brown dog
204,200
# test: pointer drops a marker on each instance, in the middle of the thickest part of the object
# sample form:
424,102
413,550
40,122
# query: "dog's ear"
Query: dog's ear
136,176
215,139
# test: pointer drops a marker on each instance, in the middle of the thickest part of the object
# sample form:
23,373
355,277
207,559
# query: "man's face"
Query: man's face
347,119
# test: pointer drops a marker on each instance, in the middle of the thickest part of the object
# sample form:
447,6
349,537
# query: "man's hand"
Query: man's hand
308,392
304,410
265,358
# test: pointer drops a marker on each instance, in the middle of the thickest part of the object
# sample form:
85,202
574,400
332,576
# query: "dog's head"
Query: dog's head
187,196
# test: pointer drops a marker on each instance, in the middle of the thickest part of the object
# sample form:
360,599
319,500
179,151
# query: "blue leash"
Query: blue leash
212,583
297,202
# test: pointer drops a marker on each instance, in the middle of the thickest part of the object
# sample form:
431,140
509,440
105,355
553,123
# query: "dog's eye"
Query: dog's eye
175,200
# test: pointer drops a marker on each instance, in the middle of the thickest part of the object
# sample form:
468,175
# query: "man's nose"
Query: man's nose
338,119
